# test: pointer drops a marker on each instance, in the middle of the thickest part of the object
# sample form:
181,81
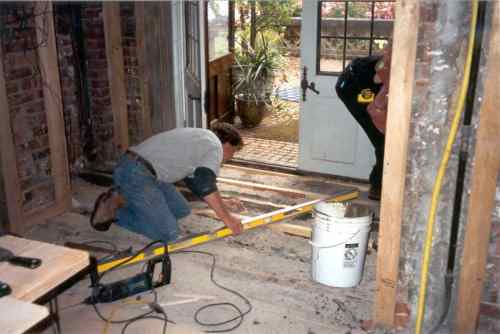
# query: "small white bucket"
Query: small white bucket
339,244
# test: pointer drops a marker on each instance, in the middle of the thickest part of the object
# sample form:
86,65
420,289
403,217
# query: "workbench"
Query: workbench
61,267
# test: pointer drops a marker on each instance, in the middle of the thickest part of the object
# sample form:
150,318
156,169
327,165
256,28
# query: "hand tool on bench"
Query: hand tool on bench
27,262
4,289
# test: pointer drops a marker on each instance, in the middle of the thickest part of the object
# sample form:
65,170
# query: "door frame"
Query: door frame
179,54
178,33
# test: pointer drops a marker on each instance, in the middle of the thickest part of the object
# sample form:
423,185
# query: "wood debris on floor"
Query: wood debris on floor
269,266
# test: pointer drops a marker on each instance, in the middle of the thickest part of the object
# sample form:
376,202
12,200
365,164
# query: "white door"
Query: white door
330,140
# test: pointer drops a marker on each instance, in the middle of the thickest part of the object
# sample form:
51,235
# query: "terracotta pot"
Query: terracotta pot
250,111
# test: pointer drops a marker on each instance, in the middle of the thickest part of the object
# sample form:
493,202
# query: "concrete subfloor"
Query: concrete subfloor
269,268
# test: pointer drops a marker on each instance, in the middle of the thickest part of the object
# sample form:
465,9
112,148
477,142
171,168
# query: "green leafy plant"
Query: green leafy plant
255,68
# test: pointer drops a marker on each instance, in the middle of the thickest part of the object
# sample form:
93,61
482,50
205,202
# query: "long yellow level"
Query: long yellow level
248,224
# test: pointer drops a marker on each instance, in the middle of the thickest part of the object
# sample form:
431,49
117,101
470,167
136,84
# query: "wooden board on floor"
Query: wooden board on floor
293,193
485,173
305,182
396,148
58,265
17,316
293,229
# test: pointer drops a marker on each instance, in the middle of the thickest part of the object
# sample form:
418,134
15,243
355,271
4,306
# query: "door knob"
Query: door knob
304,84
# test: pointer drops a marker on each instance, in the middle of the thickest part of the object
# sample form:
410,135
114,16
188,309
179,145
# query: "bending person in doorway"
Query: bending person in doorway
149,203
363,87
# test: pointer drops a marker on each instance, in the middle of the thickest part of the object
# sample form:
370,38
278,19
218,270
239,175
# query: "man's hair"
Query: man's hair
227,134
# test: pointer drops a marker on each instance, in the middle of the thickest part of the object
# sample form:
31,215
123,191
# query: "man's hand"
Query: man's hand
214,201
234,224
234,205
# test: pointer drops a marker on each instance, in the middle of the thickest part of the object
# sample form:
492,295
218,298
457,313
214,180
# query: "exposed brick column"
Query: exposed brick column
100,101
26,105
68,71
134,106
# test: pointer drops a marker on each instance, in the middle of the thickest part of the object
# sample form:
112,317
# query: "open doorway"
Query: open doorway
264,65
300,129
267,36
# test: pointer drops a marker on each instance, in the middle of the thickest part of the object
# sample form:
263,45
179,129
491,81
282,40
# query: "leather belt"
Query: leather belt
134,156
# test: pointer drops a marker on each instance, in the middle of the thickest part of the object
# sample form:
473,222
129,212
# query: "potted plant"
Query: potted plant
253,80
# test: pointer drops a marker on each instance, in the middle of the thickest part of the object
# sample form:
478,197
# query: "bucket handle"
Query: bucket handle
337,244
322,214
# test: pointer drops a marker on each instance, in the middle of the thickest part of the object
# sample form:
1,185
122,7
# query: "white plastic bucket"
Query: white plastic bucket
339,244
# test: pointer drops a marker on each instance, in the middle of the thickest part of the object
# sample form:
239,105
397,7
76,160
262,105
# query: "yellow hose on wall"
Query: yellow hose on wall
436,191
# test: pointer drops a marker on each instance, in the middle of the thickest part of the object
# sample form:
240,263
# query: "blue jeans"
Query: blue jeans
152,207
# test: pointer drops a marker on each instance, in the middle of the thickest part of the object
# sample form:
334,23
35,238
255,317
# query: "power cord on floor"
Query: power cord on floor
239,318
156,308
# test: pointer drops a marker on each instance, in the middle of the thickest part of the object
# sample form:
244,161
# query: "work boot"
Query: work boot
105,209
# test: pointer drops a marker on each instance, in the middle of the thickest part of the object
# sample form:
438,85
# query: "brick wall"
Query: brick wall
26,105
134,106
69,74
100,100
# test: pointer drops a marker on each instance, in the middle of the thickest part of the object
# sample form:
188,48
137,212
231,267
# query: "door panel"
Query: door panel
193,69
330,140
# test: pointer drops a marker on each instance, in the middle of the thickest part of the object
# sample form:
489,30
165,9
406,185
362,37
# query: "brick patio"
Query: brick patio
269,152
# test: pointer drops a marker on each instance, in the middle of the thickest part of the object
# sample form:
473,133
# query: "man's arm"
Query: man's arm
214,201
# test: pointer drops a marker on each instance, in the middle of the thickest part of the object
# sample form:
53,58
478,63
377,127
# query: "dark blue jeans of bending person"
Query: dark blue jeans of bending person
152,207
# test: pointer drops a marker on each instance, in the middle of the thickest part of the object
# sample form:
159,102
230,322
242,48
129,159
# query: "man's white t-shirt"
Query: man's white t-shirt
176,154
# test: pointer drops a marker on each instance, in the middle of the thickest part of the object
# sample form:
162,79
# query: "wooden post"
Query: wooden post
8,156
47,54
116,73
483,187
396,147
144,75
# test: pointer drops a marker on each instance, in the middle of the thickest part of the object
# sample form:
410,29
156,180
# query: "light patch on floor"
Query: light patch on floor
269,268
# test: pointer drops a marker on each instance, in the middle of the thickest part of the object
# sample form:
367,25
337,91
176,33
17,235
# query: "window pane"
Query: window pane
359,16
383,19
218,28
331,50
332,19
359,10
333,9
356,48
363,27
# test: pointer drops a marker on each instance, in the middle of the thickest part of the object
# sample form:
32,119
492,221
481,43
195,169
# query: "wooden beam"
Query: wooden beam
293,229
143,72
396,147
52,97
483,188
297,230
159,65
301,177
289,192
8,157
259,202
116,73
